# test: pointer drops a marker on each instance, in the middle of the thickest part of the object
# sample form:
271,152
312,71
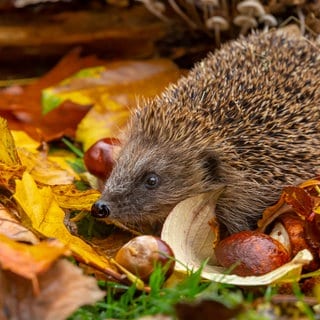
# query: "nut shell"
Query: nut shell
251,253
295,229
142,253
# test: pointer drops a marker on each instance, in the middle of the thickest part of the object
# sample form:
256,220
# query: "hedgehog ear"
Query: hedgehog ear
210,164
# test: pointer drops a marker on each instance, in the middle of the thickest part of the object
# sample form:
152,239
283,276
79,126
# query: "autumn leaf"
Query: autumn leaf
8,152
11,227
69,197
303,200
29,260
63,289
299,199
10,164
43,214
8,174
44,168
114,91
24,112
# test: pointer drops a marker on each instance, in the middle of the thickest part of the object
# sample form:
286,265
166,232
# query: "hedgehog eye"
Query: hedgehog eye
151,181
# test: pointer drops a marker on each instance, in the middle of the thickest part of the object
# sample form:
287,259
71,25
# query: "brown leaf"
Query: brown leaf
299,199
11,227
29,261
303,200
23,110
63,289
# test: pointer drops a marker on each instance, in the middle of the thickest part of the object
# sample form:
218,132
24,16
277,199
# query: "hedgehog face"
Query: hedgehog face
148,180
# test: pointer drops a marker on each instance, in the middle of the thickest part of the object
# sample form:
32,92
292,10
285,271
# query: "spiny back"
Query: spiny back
259,96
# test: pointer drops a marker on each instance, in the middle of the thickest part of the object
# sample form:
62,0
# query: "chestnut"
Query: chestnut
141,254
251,253
99,158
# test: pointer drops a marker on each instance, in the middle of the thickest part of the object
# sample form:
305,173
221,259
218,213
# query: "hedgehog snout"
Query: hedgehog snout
100,209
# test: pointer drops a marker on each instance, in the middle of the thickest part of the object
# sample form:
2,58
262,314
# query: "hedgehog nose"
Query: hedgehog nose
100,209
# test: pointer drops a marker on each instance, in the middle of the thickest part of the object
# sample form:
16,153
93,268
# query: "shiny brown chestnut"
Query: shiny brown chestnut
99,158
251,253
141,254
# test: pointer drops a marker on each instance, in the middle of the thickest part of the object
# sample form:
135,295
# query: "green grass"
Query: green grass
124,302
127,302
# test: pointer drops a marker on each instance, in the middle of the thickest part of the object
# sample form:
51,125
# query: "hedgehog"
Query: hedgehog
245,119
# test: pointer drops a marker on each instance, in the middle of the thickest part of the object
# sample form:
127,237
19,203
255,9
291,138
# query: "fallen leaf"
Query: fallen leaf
63,289
299,200
303,200
8,152
116,91
29,261
44,215
23,110
69,197
8,173
44,168
11,227
101,122
10,165
188,232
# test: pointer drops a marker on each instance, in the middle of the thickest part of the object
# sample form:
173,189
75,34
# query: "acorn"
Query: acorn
251,253
99,158
141,255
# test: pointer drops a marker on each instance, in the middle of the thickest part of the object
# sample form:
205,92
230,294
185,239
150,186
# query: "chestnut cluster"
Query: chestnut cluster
254,253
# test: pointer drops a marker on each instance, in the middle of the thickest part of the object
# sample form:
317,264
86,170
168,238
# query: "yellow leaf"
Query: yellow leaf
69,197
49,170
46,217
22,139
8,173
8,152
102,121
116,92
29,260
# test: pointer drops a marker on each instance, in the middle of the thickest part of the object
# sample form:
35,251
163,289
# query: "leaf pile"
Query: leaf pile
39,183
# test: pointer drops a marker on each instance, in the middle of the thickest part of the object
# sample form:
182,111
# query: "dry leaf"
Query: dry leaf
10,165
29,261
23,110
304,200
69,197
8,173
8,152
63,289
116,91
11,227
188,232
46,217
45,169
